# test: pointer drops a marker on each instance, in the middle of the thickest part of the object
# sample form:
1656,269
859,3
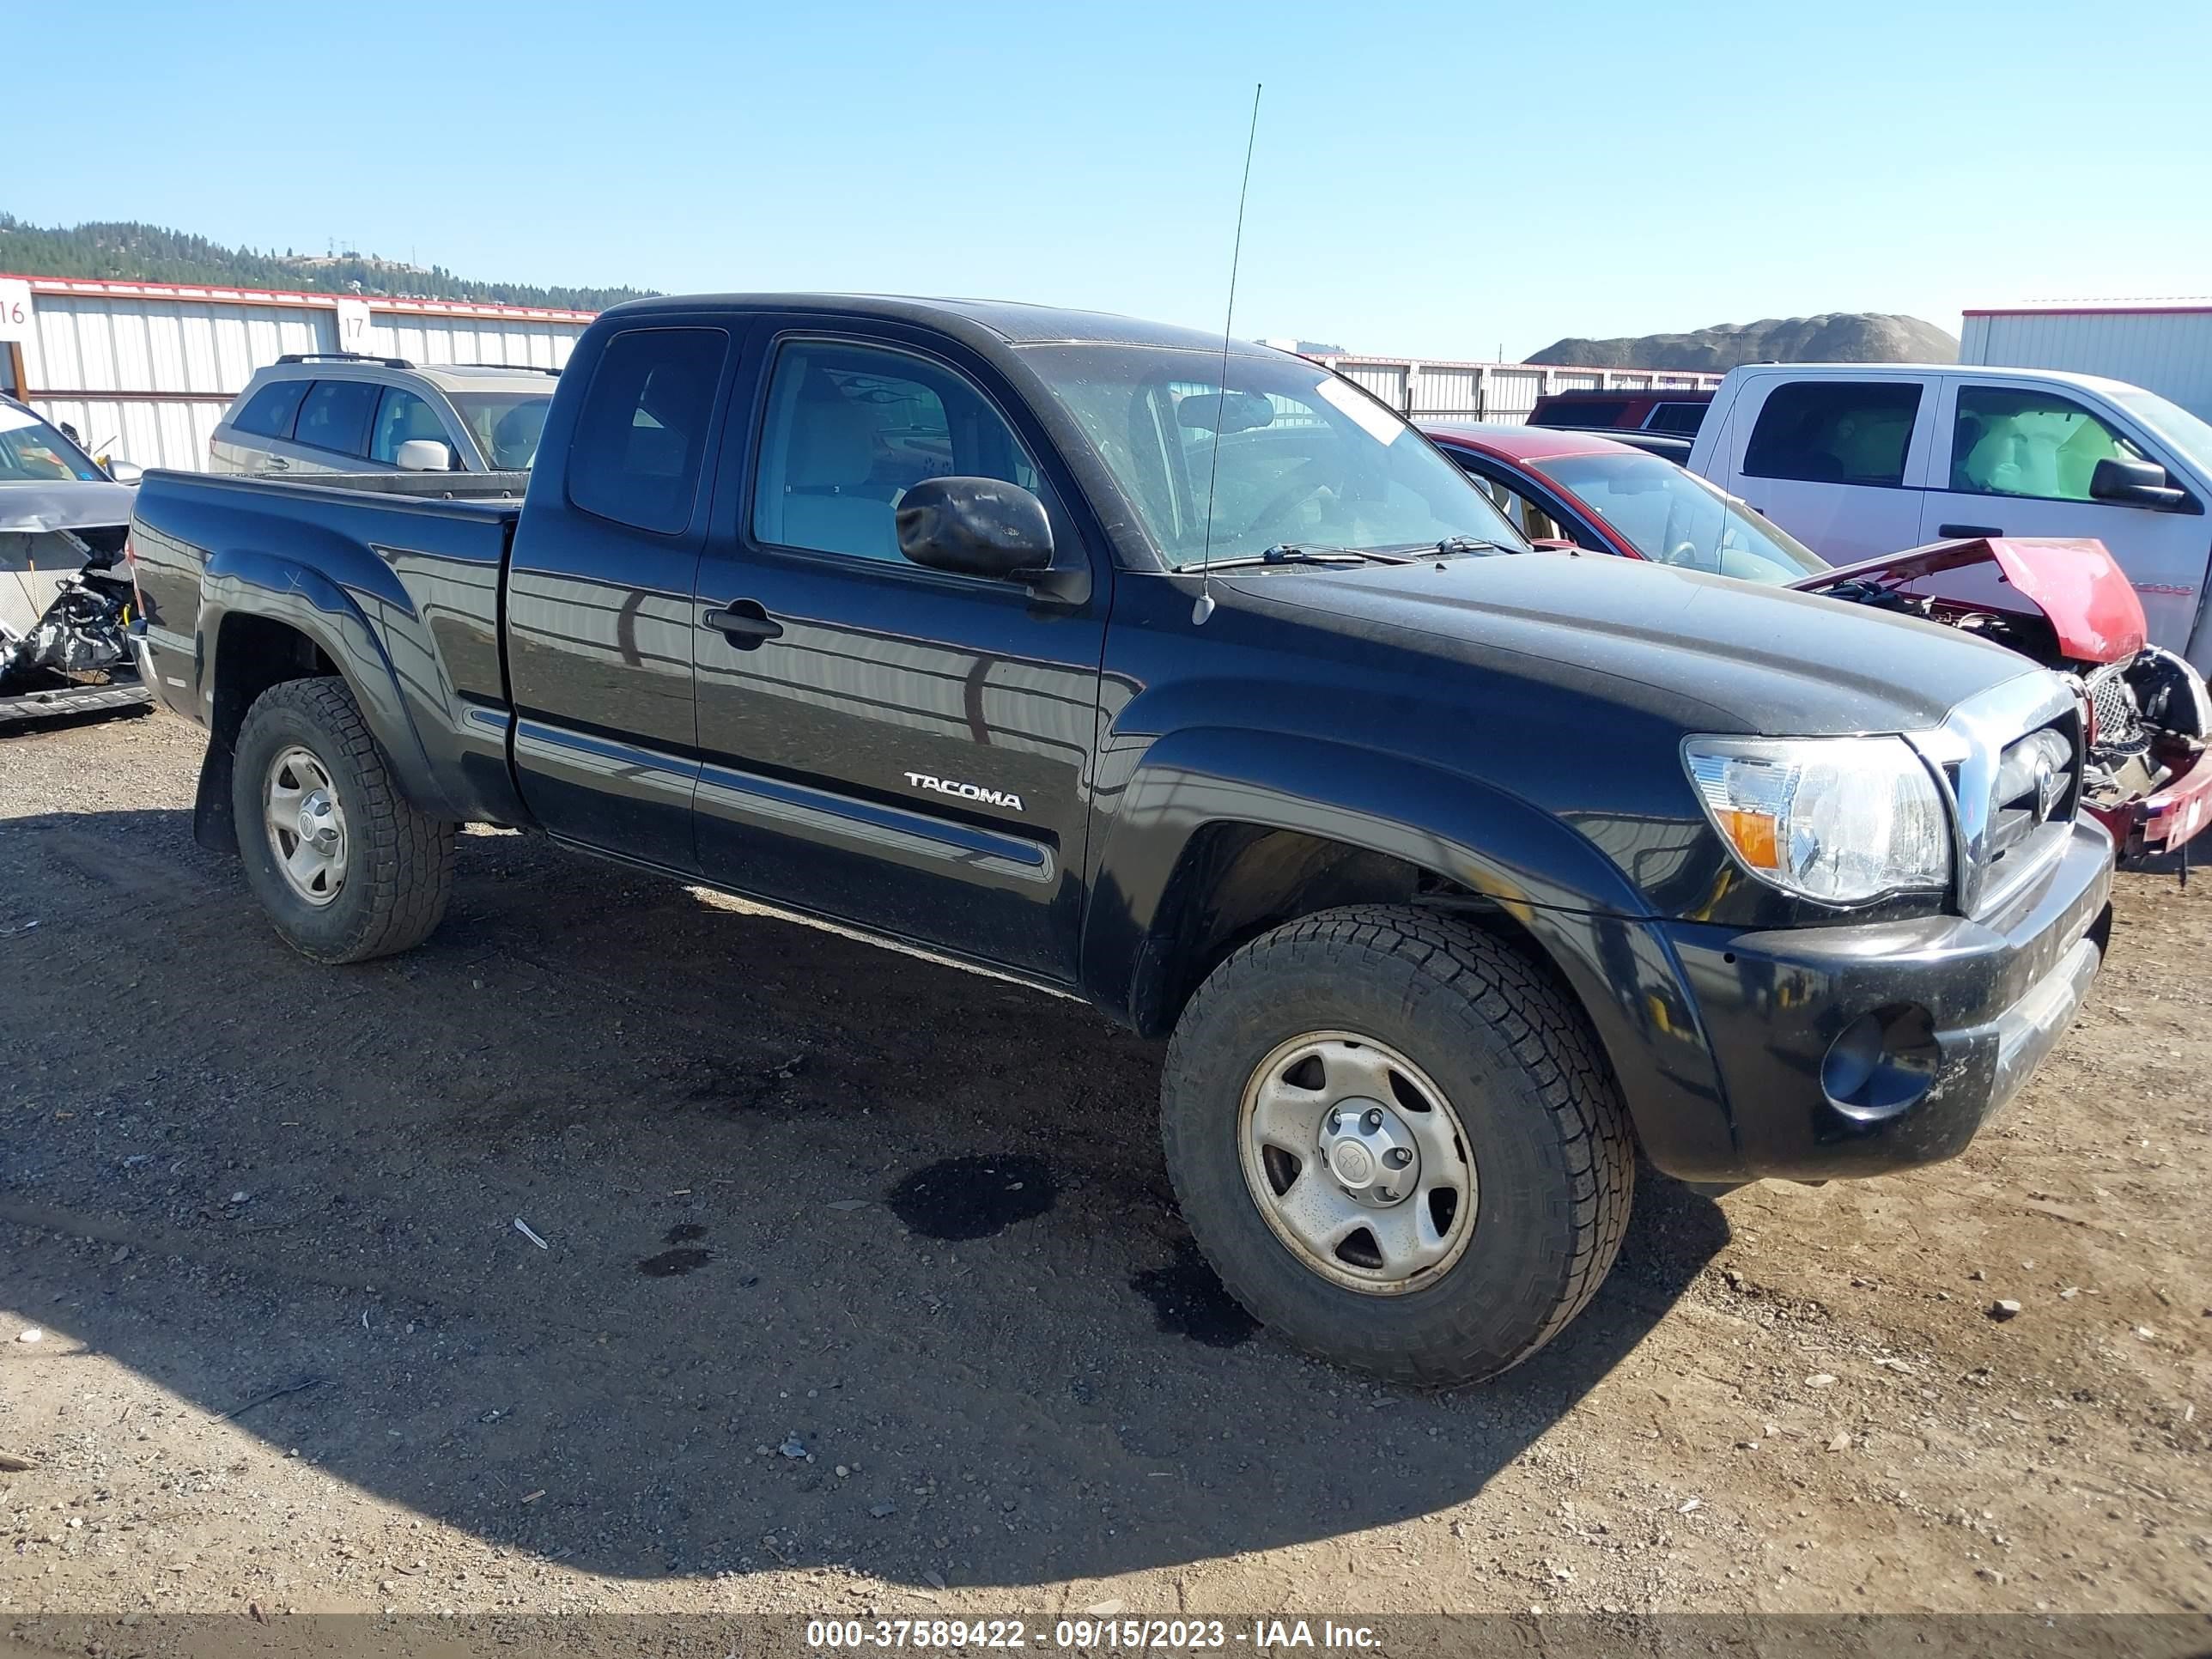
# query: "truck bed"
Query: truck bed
394,575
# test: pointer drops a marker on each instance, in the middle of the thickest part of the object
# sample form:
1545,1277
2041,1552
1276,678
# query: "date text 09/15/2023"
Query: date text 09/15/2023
1088,1634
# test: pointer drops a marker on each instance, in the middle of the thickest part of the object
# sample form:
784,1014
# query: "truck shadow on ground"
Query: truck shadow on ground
832,1255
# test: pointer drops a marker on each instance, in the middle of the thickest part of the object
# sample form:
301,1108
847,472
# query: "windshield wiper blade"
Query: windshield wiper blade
1289,553
1473,544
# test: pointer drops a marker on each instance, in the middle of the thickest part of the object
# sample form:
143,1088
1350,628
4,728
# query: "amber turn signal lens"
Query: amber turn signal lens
1754,838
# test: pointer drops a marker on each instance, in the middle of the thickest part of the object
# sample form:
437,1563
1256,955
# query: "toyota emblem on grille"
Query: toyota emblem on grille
2049,788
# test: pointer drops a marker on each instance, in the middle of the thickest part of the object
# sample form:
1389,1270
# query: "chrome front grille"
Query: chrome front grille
2011,760
2038,784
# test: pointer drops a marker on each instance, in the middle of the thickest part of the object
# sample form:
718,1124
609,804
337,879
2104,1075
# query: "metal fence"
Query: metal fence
1426,391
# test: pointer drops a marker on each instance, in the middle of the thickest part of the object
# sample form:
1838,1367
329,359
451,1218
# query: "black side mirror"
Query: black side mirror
977,527
2134,483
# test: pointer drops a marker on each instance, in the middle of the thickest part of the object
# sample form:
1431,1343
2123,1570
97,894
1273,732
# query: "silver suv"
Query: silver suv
342,412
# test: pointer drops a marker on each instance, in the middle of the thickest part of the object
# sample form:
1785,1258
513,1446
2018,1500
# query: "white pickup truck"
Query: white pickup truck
1858,459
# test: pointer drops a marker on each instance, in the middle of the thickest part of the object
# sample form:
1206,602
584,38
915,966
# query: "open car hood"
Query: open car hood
71,505
2072,583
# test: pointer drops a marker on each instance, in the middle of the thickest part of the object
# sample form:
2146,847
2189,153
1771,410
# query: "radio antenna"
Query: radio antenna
1204,608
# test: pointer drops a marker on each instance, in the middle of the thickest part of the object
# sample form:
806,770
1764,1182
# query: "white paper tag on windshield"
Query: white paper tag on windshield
1369,416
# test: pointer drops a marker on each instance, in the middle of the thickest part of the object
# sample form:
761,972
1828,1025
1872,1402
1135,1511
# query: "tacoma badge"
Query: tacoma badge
965,791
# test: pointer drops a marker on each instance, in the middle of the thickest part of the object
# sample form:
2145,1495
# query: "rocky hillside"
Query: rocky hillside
1834,337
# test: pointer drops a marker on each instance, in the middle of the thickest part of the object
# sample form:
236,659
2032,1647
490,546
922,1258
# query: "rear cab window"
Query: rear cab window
1580,411
269,413
1681,419
642,433
1845,432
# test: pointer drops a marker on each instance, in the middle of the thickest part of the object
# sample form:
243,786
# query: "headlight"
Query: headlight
1839,819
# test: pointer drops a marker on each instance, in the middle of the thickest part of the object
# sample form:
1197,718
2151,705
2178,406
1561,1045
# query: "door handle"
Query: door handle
1968,530
745,622
276,463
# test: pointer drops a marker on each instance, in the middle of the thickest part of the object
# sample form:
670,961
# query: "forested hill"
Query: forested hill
129,251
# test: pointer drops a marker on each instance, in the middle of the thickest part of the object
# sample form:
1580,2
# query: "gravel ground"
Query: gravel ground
851,1281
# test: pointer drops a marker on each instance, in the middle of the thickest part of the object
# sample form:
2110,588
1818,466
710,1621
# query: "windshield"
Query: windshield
31,451
505,424
2188,433
1305,458
1674,516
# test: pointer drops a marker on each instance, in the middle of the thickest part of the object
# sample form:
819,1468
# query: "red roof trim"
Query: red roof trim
225,293
2097,308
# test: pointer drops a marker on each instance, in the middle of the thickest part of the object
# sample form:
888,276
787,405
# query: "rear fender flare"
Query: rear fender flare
284,589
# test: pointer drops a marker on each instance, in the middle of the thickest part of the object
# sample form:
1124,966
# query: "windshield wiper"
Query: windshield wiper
1473,544
1289,553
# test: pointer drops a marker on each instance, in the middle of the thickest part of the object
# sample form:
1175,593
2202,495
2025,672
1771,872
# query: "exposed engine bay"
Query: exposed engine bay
2068,606
65,611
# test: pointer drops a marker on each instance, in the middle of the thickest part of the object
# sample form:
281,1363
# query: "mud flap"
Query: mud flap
213,824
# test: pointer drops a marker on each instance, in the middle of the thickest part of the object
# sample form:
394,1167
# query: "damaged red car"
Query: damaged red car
2064,603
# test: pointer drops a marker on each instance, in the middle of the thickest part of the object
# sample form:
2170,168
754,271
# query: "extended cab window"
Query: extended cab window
851,429
642,433
269,412
2035,444
335,416
1834,431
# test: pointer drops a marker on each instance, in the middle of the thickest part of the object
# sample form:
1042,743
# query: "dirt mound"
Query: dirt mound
1833,337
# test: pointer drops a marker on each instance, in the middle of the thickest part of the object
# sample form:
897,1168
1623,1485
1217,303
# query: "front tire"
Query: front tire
1464,1181
346,867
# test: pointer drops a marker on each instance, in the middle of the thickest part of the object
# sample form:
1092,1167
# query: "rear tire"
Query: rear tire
347,868
1479,1097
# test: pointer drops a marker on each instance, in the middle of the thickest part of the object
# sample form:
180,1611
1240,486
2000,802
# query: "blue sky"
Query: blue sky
1439,179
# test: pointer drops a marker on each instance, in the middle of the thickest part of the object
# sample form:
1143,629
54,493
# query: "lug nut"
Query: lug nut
1333,1119
1398,1157
1374,1119
1388,1194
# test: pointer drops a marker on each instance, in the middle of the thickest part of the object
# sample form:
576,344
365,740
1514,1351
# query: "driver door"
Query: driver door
902,748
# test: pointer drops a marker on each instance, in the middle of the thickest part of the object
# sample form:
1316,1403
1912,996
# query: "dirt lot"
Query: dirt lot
797,1341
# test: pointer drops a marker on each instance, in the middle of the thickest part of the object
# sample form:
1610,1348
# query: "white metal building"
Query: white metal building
144,370
2162,345
1426,391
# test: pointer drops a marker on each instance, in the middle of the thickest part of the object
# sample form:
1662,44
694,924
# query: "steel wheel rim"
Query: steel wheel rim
307,826
1321,1188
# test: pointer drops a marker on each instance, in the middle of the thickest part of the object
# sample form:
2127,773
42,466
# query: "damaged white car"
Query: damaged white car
66,597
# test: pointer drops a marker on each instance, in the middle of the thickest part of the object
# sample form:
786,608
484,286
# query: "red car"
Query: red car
2065,603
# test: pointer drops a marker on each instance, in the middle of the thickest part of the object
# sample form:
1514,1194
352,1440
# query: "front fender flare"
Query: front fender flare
1578,907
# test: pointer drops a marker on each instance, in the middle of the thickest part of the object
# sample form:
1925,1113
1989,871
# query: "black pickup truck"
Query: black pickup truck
1198,684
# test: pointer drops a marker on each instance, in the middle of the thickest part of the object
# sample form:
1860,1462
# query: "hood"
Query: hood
1712,654
2074,584
64,505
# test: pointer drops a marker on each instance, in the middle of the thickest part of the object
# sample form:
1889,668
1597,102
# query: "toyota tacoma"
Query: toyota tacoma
1187,678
